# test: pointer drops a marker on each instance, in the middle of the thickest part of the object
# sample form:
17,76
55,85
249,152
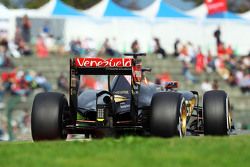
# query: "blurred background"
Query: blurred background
203,44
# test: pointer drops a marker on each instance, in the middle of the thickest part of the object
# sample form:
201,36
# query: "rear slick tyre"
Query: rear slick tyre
48,112
168,115
216,113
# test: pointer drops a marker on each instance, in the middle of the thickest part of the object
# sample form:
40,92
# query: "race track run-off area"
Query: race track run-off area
130,151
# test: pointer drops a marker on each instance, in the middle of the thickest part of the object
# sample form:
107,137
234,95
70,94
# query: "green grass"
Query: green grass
129,152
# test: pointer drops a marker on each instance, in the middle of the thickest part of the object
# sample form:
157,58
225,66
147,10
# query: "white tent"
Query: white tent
6,21
76,24
232,26
97,10
150,11
246,15
109,20
168,24
47,8
161,10
109,9
29,12
115,22
4,14
198,12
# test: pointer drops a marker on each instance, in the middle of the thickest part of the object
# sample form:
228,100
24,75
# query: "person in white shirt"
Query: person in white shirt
206,86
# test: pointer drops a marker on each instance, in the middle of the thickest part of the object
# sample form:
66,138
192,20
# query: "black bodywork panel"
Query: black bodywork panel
120,86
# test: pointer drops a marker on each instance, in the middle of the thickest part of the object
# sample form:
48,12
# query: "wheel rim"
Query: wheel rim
182,127
228,115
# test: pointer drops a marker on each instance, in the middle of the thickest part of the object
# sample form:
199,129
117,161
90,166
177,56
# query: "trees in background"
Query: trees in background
80,4
35,4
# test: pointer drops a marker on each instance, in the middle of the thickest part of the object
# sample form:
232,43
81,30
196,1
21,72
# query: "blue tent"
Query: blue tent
114,10
62,9
224,15
167,11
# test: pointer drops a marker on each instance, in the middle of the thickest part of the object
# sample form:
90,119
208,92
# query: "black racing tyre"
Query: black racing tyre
48,112
167,108
216,113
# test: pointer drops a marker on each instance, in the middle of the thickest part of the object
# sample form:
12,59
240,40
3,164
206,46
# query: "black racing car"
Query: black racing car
130,105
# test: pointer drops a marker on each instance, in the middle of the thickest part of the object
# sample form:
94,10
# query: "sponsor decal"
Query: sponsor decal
121,92
101,63
119,99
216,6
124,105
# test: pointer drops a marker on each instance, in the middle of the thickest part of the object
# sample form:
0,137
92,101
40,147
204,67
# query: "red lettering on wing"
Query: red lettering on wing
99,62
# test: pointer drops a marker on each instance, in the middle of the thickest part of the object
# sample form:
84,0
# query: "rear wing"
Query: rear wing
95,66
99,66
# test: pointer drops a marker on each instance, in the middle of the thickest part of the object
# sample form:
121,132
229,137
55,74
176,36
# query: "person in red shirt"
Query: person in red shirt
229,51
200,62
221,51
41,49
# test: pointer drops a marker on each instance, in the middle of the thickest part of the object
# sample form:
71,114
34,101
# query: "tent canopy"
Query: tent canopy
61,8
107,8
246,15
166,10
199,12
150,11
114,10
5,13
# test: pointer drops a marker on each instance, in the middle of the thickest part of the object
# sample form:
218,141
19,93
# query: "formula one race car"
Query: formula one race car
129,106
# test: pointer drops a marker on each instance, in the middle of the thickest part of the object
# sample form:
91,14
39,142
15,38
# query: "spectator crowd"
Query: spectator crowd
233,69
